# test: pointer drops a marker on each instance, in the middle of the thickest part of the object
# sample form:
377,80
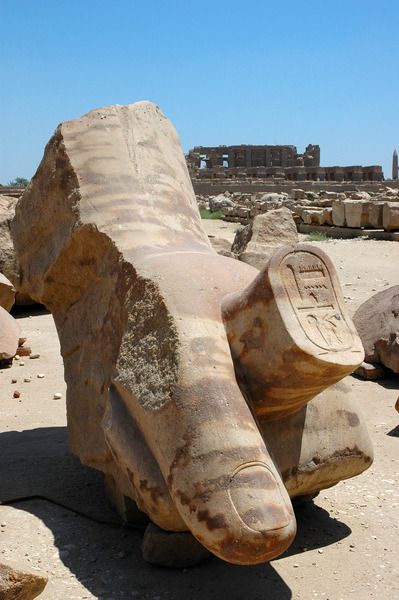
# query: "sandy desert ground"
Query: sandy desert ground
347,542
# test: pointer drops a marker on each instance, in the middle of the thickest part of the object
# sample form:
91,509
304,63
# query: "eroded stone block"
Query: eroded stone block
357,213
312,216
264,236
377,321
338,214
390,216
375,215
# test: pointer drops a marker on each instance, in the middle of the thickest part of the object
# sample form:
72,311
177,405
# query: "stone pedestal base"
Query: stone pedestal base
172,549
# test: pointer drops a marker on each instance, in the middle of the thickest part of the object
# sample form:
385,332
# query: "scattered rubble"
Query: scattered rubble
353,210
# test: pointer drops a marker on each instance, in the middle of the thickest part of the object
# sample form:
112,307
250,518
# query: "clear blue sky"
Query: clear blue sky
257,72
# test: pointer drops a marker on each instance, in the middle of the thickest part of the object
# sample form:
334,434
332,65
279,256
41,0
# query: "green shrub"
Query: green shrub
207,214
316,236
19,182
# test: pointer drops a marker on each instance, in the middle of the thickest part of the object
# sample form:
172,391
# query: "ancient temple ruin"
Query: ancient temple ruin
271,162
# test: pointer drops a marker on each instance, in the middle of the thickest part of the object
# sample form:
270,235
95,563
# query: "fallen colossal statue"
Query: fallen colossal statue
200,386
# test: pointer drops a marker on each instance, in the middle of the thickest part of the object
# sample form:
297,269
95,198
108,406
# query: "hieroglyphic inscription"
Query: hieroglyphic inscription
311,292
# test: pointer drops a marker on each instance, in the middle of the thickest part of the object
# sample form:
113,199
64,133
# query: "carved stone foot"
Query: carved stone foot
186,408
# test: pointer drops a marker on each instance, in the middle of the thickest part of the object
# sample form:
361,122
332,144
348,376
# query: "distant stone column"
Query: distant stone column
248,157
301,174
395,170
213,159
339,174
357,174
284,159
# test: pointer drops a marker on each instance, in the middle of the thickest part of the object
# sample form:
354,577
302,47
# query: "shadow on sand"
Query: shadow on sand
394,432
107,559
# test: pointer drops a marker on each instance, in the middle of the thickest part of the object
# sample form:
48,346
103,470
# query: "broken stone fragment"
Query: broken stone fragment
20,585
317,216
377,321
298,194
9,335
7,293
255,243
219,202
24,350
8,262
371,371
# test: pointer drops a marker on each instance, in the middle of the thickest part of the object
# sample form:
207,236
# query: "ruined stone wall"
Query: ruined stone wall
215,187
272,162
13,191
373,210
252,156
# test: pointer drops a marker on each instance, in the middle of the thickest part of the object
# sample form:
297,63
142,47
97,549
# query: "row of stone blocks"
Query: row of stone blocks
355,213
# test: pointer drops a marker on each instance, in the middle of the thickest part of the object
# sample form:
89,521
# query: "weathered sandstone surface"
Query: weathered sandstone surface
377,321
7,293
255,243
294,307
20,585
8,262
9,335
109,238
